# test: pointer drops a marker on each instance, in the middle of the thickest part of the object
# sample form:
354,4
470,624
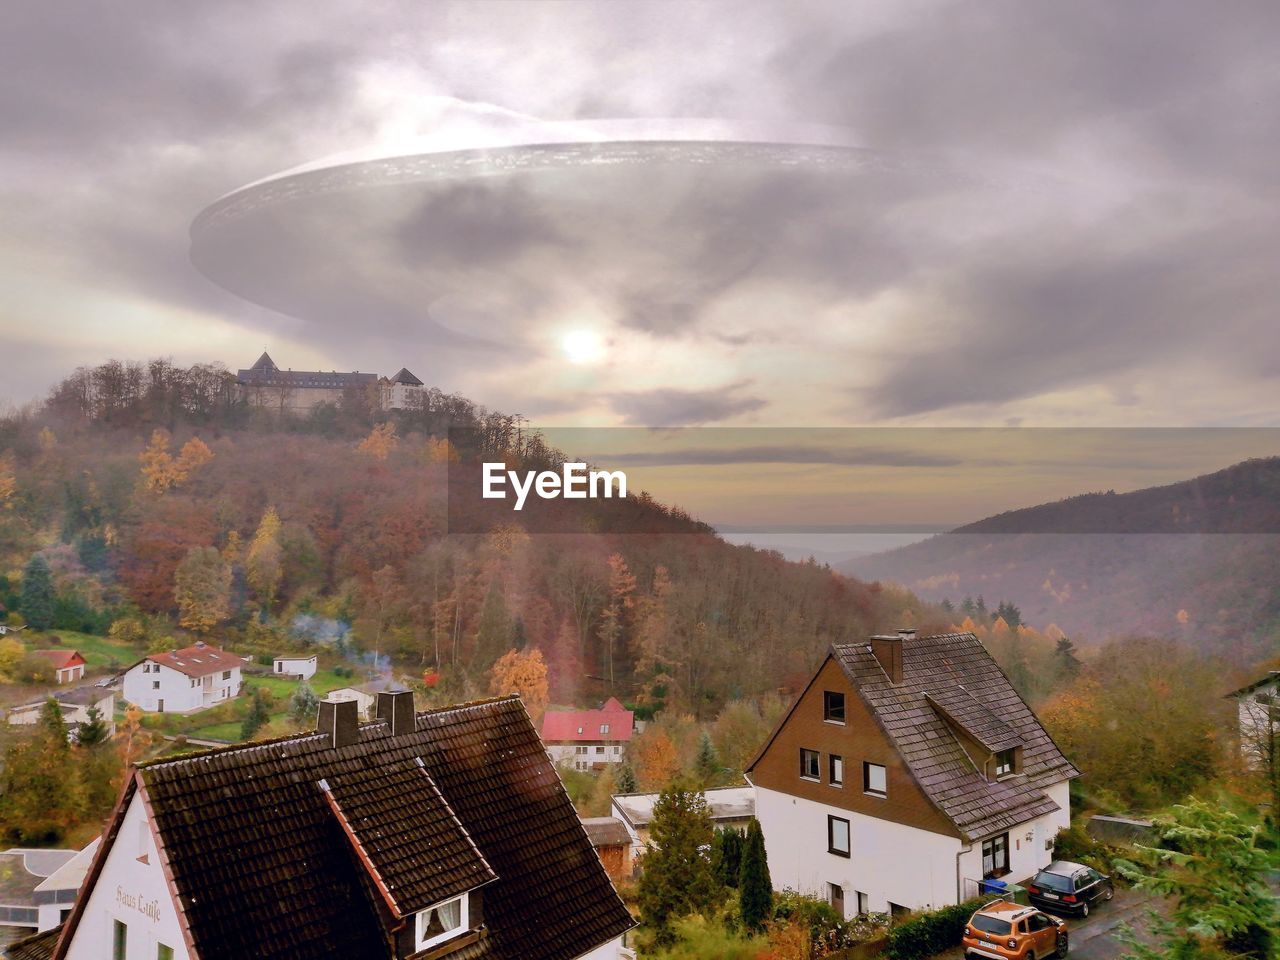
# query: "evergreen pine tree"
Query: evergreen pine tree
676,879
726,856
626,778
257,717
755,889
304,704
94,730
37,601
707,764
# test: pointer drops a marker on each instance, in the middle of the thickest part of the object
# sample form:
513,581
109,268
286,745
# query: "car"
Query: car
1004,930
1069,887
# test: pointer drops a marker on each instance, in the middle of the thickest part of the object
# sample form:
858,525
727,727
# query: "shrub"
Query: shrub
932,932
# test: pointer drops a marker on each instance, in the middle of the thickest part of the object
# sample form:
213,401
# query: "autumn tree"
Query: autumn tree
132,739
304,705
202,588
676,878
159,470
613,622
523,672
195,453
37,600
42,792
264,566
383,601
654,756
380,442
8,481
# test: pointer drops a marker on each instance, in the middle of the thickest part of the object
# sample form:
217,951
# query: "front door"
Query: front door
837,899
160,706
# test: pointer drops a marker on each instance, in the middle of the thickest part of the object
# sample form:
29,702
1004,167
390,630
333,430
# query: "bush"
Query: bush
932,932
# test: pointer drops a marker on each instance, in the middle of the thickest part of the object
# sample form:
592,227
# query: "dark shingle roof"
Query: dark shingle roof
955,670
606,831
404,376
38,946
263,868
420,852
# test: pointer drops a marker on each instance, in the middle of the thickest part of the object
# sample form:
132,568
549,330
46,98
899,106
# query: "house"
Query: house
365,695
266,385
401,392
1258,717
68,665
183,681
612,844
444,834
304,668
22,871
731,807
906,775
74,705
588,739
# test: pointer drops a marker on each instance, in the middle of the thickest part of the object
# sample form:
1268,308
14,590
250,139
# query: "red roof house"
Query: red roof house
588,738
68,665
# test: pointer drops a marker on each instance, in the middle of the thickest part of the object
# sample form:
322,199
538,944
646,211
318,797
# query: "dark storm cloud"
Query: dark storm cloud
470,223
665,408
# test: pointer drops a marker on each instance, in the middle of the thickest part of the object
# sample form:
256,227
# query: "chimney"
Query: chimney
888,652
396,707
340,721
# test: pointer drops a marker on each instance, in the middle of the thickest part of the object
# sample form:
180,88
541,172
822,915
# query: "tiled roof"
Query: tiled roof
262,867
60,658
198,660
404,376
956,671
273,376
38,946
957,705
414,844
584,725
1271,677
606,831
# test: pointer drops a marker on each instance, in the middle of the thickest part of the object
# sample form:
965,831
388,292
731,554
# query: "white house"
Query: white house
75,706
367,841
365,695
1258,716
908,775
304,668
588,739
22,872
731,807
183,681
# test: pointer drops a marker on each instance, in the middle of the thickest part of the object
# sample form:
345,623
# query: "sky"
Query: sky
1061,214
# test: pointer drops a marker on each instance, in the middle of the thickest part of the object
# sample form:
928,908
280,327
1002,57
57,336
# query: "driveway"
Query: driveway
1094,938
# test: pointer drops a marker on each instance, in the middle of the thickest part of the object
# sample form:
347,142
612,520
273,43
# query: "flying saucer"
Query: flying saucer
644,223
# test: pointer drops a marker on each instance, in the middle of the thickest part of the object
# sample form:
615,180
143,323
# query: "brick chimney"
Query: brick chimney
396,707
888,652
340,720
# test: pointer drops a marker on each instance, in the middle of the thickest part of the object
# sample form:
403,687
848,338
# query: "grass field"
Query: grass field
98,652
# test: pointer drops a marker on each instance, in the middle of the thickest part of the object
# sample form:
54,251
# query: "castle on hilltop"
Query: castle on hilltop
298,391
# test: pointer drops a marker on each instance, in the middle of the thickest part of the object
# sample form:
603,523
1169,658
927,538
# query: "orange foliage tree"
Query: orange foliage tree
525,673
655,759
380,442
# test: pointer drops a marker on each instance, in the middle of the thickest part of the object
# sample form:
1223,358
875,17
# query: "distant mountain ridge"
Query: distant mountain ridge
1199,558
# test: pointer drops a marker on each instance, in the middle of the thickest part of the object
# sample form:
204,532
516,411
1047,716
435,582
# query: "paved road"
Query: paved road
1094,938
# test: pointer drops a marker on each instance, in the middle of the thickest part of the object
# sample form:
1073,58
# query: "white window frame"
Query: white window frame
422,918
867,769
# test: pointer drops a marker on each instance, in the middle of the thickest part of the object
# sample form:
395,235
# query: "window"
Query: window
155,684
599,751
442,921
838,836
995,856
604,728
1005,762
863,906
164,952
119,940
835,897
279,668
580,751
835,770
874,780
832,706
809,764
579,729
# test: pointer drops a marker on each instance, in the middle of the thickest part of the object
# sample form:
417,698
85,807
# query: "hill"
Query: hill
1199,559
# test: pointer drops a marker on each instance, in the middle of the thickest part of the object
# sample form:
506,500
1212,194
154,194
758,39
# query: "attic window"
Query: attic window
604,728
1006,762
579,729
832,706
442,921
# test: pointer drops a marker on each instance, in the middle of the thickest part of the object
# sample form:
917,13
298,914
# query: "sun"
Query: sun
582,346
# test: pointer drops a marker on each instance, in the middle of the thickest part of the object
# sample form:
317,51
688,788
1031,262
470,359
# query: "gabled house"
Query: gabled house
183,681
74,705
728,807
908,775
588,739
1258,717
68,665
444,834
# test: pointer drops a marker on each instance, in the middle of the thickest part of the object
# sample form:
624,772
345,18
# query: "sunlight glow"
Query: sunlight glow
582,346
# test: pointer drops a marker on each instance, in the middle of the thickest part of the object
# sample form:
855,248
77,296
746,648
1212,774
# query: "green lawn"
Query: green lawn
321,683
98,652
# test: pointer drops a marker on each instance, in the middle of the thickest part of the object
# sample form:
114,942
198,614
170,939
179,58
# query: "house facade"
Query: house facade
1258,719
74,705
907,775
415,837
304,668
266,386
23,910
68,665
183,681
588,739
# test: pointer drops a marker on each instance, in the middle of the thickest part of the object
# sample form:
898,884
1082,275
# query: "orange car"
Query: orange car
1009,931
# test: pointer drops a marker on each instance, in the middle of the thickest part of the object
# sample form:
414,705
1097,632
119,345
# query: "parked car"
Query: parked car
1003,930
1069,887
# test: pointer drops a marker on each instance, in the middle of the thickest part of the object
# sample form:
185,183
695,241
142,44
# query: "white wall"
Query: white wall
1027,842
175,690
132,892
889,862
304,667
606,951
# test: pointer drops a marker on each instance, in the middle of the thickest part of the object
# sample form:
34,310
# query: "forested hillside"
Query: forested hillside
1198,560
159,504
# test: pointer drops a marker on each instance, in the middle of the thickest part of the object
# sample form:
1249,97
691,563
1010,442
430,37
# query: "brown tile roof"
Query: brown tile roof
38,946
606,831
262,867
955,670
198,660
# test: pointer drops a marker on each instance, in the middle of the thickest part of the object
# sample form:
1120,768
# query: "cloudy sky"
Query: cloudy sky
1059,214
